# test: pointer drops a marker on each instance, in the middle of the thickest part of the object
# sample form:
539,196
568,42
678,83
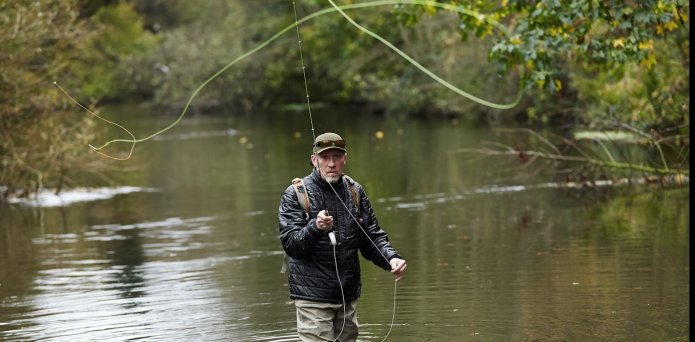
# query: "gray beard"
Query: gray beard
331,179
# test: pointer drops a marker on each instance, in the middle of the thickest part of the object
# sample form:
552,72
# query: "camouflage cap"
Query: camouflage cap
327,141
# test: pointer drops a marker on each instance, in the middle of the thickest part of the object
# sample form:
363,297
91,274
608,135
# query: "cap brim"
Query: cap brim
329,148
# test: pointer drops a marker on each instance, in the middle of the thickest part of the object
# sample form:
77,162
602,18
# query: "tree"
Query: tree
43,135
544,34
627,63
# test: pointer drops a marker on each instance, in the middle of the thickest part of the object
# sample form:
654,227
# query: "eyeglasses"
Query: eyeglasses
329,143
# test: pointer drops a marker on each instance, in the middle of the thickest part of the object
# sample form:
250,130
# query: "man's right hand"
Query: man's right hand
398,267
324,221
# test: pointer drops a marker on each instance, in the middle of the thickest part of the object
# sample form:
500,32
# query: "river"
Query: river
183,244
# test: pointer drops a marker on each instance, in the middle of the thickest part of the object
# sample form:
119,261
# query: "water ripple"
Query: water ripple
48,198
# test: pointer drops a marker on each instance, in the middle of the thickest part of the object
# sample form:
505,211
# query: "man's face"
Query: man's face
330,163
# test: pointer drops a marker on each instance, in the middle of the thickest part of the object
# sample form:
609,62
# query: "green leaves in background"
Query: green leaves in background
590,64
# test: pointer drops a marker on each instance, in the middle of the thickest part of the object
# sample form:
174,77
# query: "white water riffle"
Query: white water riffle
47,198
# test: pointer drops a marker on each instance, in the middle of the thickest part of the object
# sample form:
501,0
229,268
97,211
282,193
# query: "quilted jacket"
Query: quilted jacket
311,261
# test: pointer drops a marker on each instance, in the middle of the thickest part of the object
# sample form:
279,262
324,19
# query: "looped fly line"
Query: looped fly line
340,9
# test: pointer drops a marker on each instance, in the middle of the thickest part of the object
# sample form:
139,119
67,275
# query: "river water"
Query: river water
183,245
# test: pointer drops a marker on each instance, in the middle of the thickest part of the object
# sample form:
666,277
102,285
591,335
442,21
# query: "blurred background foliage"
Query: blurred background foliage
39,138
589,64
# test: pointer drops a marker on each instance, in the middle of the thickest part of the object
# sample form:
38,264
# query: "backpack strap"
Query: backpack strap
353,191
303,199
302,196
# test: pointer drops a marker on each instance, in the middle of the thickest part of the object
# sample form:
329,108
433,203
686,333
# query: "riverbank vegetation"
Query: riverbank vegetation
591,66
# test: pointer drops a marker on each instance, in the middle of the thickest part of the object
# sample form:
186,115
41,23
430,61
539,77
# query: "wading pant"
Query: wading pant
324,322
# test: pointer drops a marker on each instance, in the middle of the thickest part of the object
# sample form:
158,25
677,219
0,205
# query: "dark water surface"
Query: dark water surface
491,257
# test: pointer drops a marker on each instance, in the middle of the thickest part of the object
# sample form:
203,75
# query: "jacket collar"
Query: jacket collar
316,177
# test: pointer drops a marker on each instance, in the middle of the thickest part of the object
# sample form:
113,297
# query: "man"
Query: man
337,206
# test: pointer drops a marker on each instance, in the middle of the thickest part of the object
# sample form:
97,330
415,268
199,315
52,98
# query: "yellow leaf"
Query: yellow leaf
648,45
515,40
529,64
504,3
618,42
558,85
659,29
670,26
430,9
648,62
540,83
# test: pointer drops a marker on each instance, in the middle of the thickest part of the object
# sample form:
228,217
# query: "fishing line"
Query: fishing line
331,234
395,283
341,9
422,68
98,150
301,57
340,283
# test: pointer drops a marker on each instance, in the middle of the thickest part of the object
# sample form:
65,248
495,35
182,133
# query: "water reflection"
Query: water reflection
127,256
48,198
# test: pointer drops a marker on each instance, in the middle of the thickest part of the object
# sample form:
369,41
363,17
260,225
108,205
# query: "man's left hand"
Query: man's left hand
397,267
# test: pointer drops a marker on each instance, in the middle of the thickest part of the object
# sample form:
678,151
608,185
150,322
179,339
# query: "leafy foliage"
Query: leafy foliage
604,65
44,136
369,72
598,64
121,39
546,32
195,48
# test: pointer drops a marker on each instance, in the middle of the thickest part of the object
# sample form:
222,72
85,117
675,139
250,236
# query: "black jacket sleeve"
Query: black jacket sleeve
298,233
380,251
